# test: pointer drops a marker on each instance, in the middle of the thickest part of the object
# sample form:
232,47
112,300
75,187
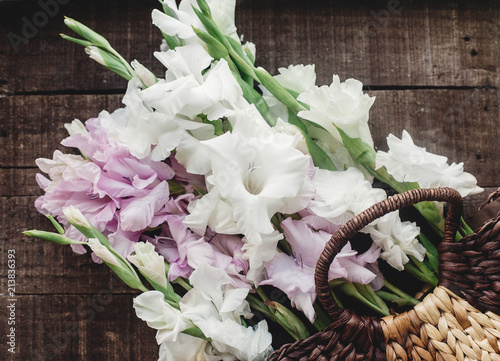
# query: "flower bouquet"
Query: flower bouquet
216,188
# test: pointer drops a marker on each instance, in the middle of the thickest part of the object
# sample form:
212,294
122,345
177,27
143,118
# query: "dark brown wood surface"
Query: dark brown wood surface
434,69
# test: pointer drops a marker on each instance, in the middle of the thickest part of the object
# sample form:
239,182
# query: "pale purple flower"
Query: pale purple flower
184,250
120,195
294,274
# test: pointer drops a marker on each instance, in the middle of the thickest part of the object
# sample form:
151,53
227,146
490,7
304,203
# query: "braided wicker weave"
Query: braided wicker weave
458,321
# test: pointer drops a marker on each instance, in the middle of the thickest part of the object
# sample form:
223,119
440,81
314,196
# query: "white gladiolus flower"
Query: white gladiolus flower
212,211
187,93
291,130
407,162
94,53
149,263
340,195
298,78
185,348
397,239
146,76
341,104
76,127
257,172
185,18
103,252
185,61
152,308
75,217
132,125
215,306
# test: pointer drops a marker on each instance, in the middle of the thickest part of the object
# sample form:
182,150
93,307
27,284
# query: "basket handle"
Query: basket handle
351,228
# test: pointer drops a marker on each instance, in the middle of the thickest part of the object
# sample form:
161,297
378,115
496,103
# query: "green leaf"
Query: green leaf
249,55
350,290
318,155
359,150
52,237
196,332
236,46
290,319
275,88
172,41
77,41
401,302
204,7
215,48
431,251
252,96
56,224
109,61
128,276
322,320
211,27
175,188
87,33
367,292
167,10
422,276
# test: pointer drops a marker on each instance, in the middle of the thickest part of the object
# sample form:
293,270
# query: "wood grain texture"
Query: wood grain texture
102,326
408,43
433,67
33,126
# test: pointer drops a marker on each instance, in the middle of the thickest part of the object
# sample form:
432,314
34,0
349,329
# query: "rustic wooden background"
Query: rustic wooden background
433,67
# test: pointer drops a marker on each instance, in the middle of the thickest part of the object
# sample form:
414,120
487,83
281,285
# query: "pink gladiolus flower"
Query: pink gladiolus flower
185,251
294,274
119,194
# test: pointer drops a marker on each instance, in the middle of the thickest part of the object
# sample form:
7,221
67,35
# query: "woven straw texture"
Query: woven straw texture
443,327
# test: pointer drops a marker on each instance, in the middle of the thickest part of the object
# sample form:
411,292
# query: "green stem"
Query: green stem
400,293
260,306
181,282
424,277
467,230
350,290
431,252
422,266
322,319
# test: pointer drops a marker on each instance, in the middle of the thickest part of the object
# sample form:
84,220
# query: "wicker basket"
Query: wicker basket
457,321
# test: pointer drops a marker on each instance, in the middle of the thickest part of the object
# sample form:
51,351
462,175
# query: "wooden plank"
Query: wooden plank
50,63
77,327
462,124
33,126
19,182
413,43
